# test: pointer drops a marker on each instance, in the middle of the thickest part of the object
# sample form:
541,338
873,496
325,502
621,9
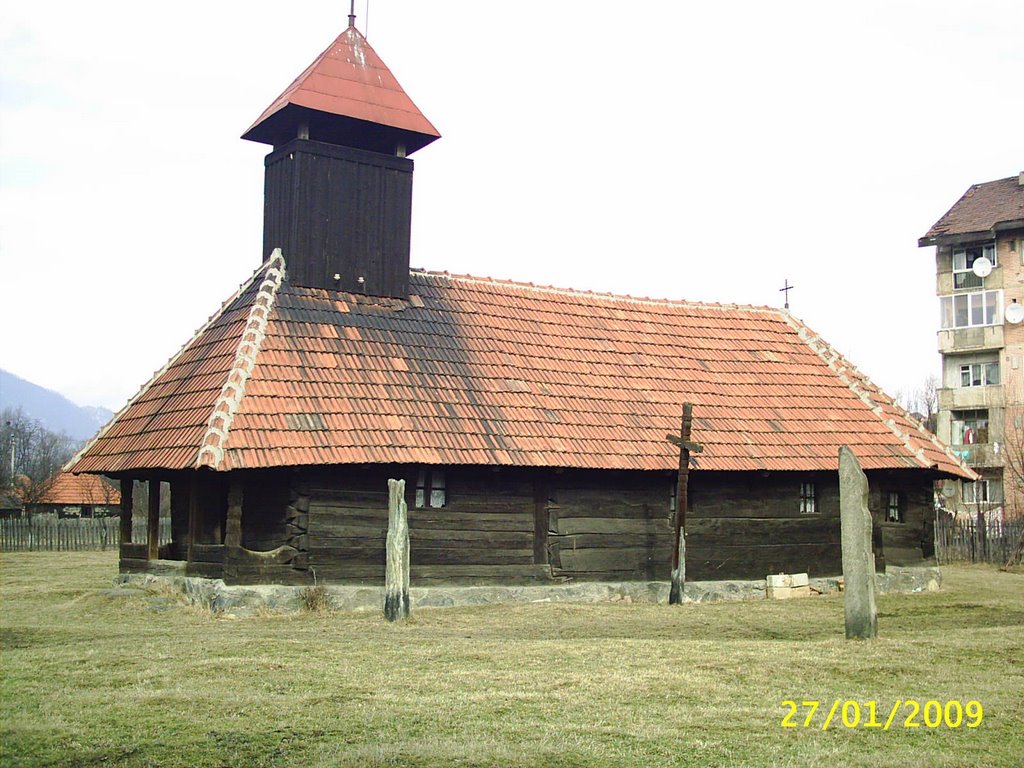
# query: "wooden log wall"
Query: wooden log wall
347,522
912,541
212,507
611,526
538,526
483,534
265,538
746,526
264,509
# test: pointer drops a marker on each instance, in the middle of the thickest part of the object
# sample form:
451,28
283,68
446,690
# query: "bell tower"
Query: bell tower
338,183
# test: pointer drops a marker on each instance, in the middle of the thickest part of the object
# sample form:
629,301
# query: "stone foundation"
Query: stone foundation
215,595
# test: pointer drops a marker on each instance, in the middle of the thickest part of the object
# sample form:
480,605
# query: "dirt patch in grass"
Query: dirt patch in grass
91,679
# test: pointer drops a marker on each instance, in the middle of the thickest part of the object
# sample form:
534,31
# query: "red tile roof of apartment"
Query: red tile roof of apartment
478,371
348,80
983,209
69,489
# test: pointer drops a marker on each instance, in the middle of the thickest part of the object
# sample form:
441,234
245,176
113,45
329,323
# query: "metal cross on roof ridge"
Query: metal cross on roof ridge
786,288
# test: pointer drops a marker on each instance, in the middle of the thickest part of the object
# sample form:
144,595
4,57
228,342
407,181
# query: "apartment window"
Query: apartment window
970,427
963,264
967,310
979,374
982,491
430,489
894,508
808,499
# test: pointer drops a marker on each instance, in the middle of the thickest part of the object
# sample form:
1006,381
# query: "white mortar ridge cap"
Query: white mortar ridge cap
69,467
214,442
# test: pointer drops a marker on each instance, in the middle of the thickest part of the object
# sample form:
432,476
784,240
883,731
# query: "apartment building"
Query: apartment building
979,259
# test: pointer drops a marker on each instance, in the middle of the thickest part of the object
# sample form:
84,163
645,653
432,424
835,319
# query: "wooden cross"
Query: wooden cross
786,288
679,551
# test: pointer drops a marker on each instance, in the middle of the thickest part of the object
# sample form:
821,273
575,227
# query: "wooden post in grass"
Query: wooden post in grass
396,584
675,595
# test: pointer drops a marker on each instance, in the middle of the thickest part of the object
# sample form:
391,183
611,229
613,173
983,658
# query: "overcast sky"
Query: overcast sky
704,151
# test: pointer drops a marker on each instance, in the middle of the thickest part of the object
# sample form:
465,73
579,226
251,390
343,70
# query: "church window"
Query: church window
894,509
430,489
808,499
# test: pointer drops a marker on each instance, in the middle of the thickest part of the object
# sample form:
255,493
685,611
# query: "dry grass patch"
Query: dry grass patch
141,681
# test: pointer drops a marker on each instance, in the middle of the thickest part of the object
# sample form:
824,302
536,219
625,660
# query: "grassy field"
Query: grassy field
146,681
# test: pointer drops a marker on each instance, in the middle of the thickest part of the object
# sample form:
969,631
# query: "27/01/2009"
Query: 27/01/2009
852,714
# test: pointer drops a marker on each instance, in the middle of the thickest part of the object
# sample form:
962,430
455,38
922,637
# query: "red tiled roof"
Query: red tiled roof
348,80
981,209
478,371
69,489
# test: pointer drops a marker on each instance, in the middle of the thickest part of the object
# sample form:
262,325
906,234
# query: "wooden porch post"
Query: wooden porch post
127,489
233,528
153,523
194,522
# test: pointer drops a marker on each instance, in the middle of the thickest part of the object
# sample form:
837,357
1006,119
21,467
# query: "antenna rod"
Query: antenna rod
352,13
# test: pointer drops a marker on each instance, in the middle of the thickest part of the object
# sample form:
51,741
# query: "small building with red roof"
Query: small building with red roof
529,422
69,495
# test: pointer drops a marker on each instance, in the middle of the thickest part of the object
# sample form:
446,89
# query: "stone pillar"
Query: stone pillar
858,559
396,592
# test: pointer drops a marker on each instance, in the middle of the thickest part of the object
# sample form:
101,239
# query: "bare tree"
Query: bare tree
31,453
1013,472
1013,457
923,401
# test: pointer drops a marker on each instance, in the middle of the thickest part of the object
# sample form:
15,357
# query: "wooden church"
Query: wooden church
529,422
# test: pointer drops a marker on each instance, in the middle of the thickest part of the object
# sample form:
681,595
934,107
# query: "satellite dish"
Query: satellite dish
982,267
948,490
1014,313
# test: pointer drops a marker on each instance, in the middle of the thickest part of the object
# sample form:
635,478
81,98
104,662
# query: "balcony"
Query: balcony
969,339
980,455
962,398
947,282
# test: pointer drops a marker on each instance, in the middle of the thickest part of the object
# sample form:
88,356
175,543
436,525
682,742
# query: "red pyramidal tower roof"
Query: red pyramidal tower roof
346,96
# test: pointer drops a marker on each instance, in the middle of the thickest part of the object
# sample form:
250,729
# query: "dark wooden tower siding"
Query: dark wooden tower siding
340,211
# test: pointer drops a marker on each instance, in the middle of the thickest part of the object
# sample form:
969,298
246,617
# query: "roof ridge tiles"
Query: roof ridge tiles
242,288
562,291
860,384
211,452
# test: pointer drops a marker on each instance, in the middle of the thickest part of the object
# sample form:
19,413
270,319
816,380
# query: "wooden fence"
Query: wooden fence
960,541
48,533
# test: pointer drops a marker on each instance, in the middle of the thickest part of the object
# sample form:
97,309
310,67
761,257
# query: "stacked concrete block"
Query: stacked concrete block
782,586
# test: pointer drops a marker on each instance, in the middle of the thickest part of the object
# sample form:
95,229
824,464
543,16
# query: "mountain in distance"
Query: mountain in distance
50,408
